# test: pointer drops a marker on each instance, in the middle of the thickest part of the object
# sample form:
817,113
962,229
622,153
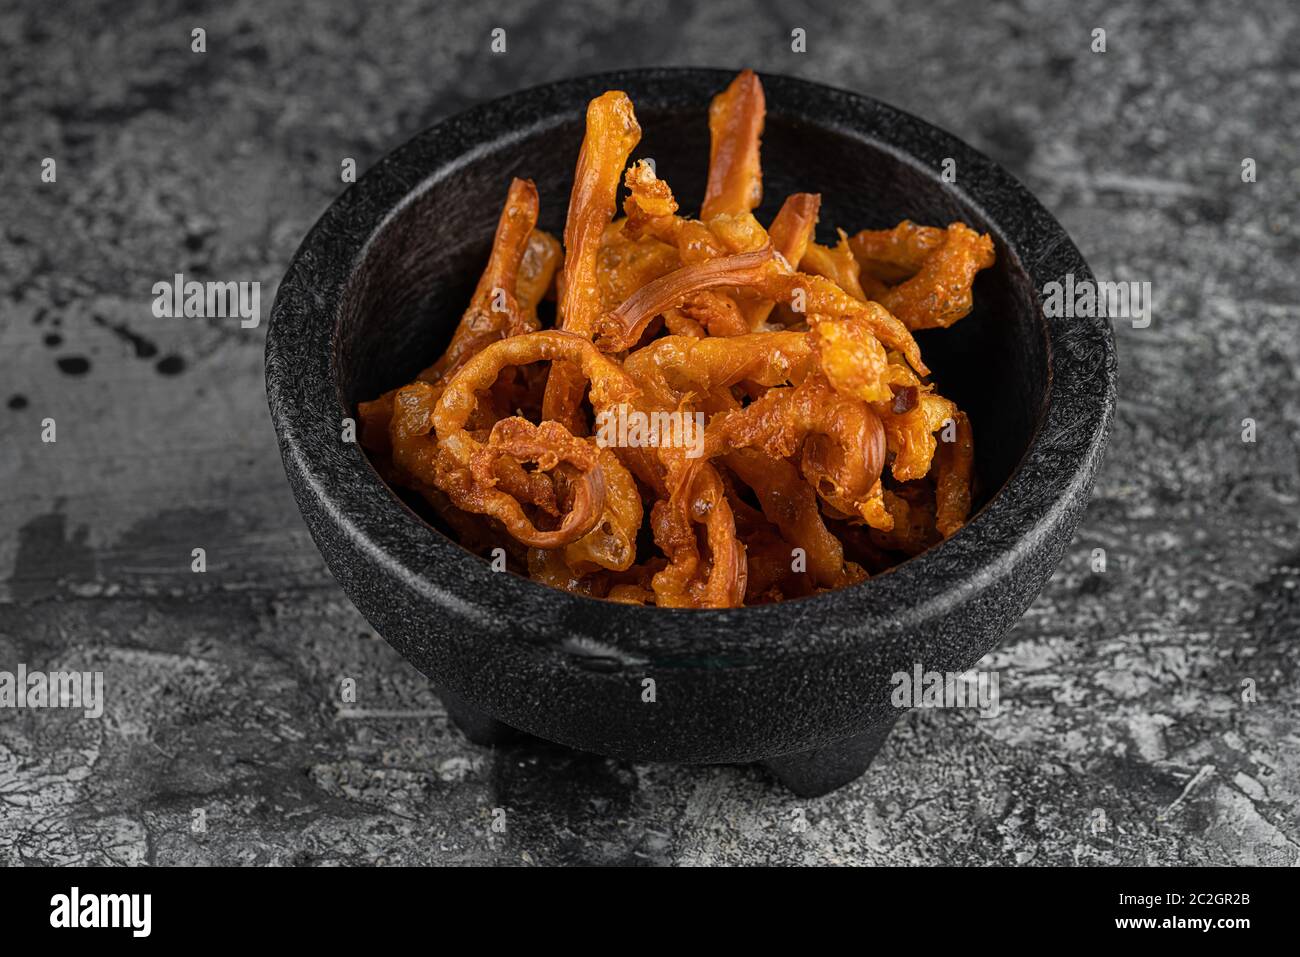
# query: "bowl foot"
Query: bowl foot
480,727
822,770
807,773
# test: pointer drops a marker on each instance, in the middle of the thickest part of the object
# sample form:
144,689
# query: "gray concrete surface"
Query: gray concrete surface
1124,737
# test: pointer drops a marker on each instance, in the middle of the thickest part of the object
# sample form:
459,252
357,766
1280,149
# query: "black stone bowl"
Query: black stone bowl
374,291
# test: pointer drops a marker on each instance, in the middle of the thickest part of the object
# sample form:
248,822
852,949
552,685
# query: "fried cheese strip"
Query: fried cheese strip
735,183
940,292
791,233
697,496
790,503
953,464
843,470
767,273
892,255
494,311
839,266
606,492
622,328
612,133
675,370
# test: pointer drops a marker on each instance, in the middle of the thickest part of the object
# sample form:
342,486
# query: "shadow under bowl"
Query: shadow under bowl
377,286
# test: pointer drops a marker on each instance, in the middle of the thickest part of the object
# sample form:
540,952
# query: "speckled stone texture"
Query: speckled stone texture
1123,736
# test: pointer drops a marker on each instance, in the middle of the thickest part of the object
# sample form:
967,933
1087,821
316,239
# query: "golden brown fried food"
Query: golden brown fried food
892,255
954,462
735,125
622,328
839,441
612,134
495,311
791,233
764,425
940,292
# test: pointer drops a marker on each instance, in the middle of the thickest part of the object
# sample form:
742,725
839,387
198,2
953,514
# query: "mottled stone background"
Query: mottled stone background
1122,690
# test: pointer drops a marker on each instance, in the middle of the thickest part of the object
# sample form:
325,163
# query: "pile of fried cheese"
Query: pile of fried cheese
722,413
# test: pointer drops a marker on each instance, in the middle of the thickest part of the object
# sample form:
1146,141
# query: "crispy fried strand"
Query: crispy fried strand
650,207
953,464
612,133
691,579
790,503
791,232
494,311
736,115
518,272
674,367
609,383
796,221
606,504
839,266
417,454
622,327
892,255
843,470
537,268
940,292
600,528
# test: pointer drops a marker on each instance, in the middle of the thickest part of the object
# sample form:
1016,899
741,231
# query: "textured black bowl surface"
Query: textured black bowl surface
377,286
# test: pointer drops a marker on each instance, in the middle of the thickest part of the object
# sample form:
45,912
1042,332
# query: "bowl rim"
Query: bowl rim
1049,484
